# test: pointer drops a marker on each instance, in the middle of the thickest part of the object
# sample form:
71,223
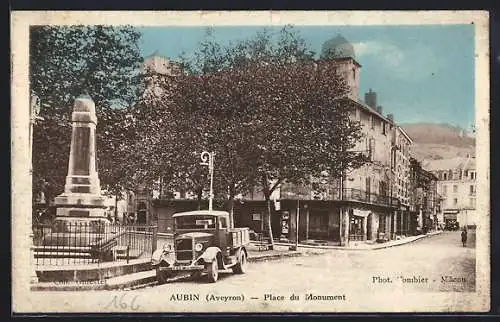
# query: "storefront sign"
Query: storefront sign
257,217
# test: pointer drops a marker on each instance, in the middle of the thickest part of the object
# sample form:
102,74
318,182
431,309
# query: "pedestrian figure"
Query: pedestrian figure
464,237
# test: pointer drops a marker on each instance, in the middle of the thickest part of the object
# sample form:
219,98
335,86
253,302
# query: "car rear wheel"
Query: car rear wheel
240,267
213,271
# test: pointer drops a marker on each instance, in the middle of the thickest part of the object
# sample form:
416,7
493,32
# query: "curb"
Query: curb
50,286
379,246
149,278
260,258
407,242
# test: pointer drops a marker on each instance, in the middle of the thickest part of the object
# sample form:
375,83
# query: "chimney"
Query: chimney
379,109
371,99
390,117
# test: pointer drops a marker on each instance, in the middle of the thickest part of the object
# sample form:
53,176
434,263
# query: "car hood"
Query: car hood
194,235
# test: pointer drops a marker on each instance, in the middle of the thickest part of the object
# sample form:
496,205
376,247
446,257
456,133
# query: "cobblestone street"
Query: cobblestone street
436,263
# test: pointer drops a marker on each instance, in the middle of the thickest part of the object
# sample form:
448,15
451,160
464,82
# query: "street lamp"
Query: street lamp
34,111
207,158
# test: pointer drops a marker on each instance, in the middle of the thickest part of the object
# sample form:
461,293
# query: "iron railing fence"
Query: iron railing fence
64,242
357,237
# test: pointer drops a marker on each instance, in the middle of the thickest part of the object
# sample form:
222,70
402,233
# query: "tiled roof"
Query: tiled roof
450,163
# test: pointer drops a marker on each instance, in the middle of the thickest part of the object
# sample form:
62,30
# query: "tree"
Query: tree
302,126
66,61
271,113
225,69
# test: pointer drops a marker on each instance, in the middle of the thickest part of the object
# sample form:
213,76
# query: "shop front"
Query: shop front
450,219
358,224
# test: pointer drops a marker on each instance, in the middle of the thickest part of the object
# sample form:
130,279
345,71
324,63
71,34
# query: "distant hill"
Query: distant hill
439,141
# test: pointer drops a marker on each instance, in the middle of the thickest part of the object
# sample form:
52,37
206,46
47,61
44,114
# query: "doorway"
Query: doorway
318,224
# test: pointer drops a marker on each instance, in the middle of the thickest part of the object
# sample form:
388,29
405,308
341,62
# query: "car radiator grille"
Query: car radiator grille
184,248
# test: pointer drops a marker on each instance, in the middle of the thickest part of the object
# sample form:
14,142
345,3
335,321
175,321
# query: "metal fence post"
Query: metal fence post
155,239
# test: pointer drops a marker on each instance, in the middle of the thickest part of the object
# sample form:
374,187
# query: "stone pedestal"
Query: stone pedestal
82,200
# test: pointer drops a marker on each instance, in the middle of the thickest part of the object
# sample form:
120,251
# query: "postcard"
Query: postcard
250,161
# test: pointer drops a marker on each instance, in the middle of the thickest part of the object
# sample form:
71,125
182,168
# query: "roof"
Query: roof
201,212
405,134
338,47
465,163
371,110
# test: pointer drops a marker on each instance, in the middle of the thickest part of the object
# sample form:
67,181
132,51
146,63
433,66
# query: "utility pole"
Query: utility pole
297,225
207,158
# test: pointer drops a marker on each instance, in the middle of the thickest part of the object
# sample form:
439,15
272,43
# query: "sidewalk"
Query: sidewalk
148,277
360,245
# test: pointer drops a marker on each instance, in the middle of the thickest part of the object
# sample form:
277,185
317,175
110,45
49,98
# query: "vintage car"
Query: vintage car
203,244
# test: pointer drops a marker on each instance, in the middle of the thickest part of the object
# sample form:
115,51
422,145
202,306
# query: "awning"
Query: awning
360,213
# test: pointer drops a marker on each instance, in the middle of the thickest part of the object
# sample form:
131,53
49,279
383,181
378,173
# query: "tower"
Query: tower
342,54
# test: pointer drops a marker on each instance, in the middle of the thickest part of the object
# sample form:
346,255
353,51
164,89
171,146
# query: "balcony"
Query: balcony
333,194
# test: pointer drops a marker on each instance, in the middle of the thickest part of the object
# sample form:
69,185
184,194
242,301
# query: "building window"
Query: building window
455,188
472,203
383,127
373,121
455,201
371,149
445,176
472,190
473,175
222,222
445,190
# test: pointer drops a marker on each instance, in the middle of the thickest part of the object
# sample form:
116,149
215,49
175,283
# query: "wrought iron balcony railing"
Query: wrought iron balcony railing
333,194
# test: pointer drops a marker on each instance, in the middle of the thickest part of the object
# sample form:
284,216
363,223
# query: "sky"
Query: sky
420,73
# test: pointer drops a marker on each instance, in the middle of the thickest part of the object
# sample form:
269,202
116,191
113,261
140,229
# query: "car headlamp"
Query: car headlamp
198,247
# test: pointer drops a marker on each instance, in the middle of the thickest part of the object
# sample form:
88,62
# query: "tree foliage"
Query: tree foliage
269,110
66,61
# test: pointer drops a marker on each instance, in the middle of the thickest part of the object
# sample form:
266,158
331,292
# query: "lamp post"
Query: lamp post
207,158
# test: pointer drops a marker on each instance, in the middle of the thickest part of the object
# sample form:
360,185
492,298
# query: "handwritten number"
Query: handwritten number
121,303
136,307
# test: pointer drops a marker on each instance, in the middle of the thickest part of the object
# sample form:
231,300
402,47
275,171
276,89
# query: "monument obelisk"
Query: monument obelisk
82,200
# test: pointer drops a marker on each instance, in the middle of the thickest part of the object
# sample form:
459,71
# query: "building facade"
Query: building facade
400,153
457,187
424,199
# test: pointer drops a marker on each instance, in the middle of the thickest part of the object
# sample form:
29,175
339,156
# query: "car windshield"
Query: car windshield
195,222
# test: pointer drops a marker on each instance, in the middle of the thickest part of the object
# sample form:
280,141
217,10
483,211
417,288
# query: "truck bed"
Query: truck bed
238,237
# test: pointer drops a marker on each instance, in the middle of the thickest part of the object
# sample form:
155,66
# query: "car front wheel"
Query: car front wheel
213,271
161,276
